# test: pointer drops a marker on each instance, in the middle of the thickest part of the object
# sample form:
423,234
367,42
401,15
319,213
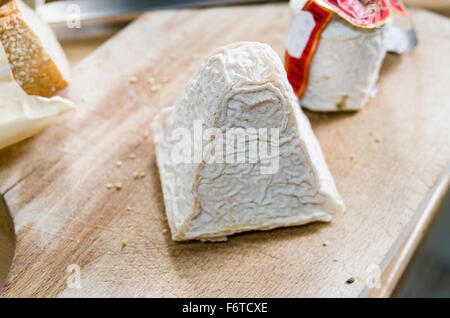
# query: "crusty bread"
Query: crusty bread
37,60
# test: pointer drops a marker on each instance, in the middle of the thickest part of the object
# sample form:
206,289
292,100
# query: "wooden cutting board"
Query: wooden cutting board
390,162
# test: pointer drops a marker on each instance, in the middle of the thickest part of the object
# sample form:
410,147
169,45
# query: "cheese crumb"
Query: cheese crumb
109,186
378,140
133,80
124,243
118,163
118,186
132,156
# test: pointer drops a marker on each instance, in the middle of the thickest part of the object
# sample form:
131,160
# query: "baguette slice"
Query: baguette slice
37,60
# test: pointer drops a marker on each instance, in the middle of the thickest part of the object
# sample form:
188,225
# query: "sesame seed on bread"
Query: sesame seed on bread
37,60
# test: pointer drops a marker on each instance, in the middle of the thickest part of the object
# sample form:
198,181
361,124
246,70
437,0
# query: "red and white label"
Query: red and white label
302,43
300,33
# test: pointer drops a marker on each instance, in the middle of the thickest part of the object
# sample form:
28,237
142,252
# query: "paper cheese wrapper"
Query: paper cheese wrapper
21,115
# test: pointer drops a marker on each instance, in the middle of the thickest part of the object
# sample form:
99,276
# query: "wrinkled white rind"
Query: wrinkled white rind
21,115
345,68
243,85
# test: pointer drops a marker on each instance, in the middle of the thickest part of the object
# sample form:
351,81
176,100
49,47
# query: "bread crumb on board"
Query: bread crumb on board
118,186
132,156
118,163
123,243
133,80
349,281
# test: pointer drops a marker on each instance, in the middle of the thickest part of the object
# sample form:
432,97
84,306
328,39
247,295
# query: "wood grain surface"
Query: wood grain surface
386,160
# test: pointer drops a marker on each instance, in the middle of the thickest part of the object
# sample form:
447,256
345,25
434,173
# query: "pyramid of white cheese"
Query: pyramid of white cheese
242,85
346,65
